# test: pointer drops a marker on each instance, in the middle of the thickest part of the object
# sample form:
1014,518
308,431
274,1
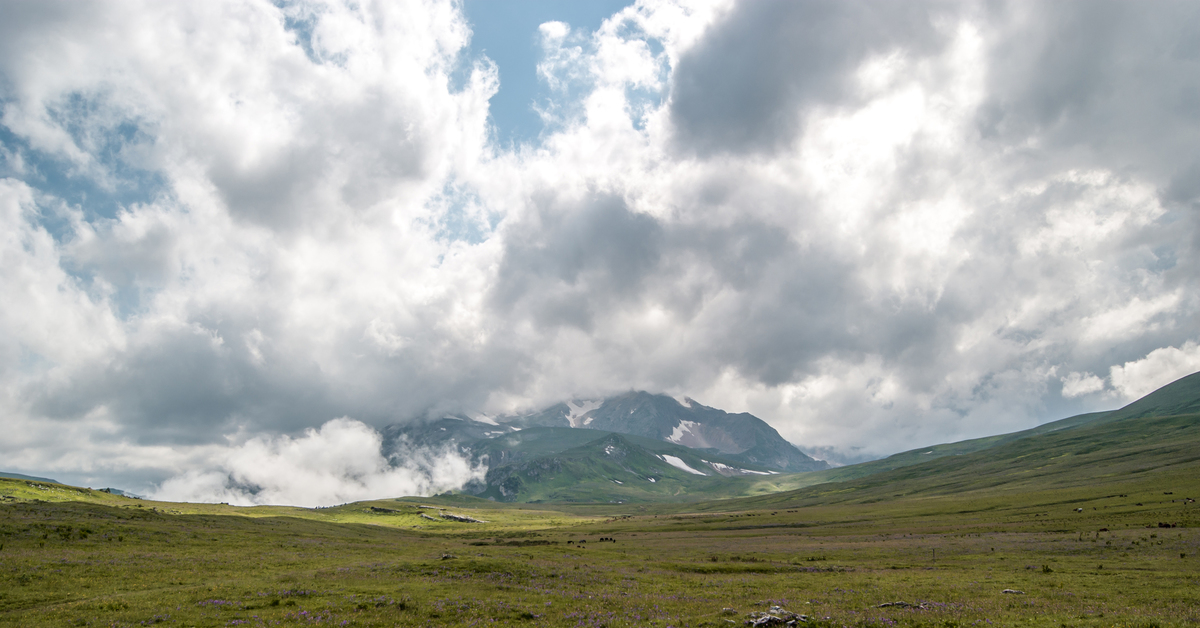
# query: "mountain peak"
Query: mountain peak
742,436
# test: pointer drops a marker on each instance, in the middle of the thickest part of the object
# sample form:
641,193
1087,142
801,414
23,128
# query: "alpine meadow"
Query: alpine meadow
1086,522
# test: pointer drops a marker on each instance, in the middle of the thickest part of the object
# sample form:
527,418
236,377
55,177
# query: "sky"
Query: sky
238,238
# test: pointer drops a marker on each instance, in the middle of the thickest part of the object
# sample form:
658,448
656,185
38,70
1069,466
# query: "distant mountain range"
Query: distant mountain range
743,437
560,455
644,447
635,446
32,478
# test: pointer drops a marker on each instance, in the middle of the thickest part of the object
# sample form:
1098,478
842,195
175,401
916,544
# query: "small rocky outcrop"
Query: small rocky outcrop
775,616
461,518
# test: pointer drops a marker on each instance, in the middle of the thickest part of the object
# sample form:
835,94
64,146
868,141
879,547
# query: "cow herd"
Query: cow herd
603,539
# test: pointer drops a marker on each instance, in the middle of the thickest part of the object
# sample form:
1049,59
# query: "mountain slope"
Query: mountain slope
19,476
615,468
536,442
456,432
922,455
1181,396
741,437
1141,439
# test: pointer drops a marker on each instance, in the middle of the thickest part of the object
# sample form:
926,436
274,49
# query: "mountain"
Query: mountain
555,454
610,467
459,432
669,450
741,437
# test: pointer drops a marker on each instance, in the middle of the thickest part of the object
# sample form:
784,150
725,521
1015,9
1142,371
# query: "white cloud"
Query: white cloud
340,462
1160,367
874,225
1079,384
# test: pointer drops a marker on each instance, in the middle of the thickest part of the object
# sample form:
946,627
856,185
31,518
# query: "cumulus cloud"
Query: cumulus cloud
1160,367
1079,384
875,225
748,84
339,462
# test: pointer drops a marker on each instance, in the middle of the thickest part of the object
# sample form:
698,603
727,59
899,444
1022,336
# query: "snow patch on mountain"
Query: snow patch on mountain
681,431
580,408
483,418
679,464
734,470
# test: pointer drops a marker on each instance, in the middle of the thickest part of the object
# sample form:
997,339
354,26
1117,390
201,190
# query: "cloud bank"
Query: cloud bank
342,461
874,225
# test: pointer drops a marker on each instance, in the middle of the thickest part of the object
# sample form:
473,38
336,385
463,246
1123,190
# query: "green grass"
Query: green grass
1095,525
120,562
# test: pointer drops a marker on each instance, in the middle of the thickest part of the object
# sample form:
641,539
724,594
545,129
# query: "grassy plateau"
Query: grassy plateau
1092,523
941,560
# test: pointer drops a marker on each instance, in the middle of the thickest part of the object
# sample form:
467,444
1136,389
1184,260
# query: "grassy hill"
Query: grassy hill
614,468
20,476
921,455
1181,397
1143,439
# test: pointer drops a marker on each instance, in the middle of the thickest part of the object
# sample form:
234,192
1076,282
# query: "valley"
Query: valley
1088,522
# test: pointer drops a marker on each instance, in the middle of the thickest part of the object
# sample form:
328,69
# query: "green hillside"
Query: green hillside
1181,396
21,476
543,441
531,443
915,456
615,468
1097,453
